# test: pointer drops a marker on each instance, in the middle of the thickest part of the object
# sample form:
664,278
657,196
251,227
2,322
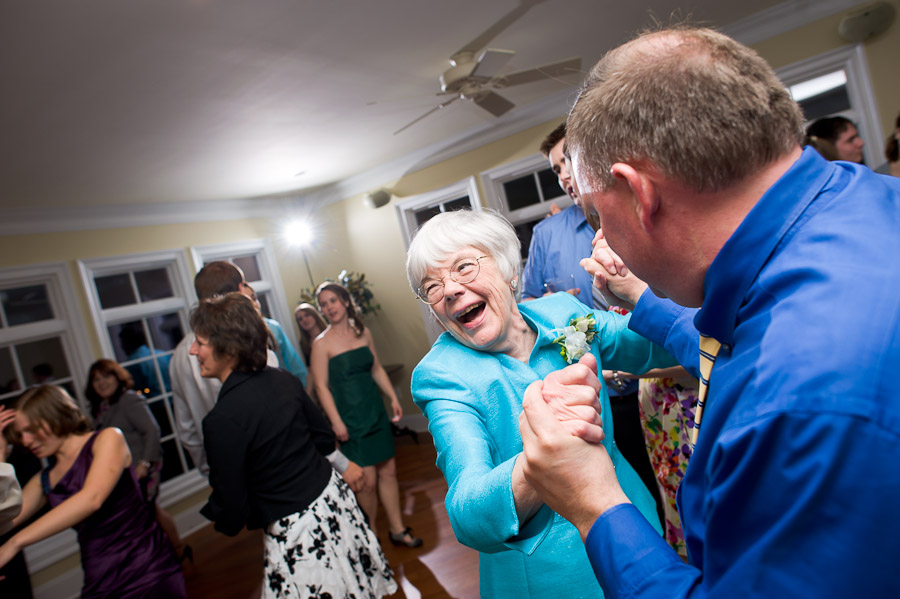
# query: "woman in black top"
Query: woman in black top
266,442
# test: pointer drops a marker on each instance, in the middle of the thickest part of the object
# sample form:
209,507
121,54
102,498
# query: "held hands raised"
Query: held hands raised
619,286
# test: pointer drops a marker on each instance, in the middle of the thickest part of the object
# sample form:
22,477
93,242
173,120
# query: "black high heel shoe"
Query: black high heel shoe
401,538
187,554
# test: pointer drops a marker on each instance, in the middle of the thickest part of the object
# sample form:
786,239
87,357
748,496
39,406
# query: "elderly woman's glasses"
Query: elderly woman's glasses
464,270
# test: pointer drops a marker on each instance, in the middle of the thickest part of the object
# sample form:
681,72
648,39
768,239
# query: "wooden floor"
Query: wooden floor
227,567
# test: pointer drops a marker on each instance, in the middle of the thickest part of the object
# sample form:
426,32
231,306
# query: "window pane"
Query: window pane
524,232
9,382
264,304
26,304
42,361
462,203
158,409
249,266
549,184
153,284
521,192
423,216
166,331
115,290
171,464
130,344
828,103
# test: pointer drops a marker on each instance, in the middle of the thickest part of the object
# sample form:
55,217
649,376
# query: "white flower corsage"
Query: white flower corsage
576,337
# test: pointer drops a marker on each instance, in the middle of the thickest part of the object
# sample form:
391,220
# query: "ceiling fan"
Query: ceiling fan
474,71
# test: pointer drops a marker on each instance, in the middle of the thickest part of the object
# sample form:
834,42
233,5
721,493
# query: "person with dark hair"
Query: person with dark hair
193,396
115,404
348,377
284,349
266,444
839,135
91,487
311,325
689,147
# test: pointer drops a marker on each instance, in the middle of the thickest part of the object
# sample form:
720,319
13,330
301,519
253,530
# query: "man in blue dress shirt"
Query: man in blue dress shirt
688,146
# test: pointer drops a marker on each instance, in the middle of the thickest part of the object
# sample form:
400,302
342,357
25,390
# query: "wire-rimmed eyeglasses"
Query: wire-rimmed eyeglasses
464,270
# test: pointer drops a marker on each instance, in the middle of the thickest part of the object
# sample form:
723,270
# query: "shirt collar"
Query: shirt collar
740,260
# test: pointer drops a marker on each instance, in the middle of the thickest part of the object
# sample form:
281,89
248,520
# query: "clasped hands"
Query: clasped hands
565,461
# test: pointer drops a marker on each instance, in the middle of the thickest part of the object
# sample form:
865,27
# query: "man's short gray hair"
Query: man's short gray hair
449,232
704,109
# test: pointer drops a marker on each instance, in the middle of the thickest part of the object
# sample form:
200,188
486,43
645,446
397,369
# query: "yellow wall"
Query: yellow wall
822,36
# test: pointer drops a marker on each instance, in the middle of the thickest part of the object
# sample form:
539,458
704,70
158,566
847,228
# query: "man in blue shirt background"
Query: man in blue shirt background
688,146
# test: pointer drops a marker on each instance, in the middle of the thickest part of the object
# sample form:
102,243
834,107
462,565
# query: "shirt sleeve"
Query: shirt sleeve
192,398
142,421
624,349
533,273
787,494
479,498
287,355
672,326
226,450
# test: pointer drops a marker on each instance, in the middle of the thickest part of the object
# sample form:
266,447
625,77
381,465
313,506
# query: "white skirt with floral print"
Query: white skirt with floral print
326,551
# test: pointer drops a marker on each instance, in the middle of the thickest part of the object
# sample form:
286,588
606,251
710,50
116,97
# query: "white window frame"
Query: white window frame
492,180
864,111
406,214
175,262
68,324
406,209
271,284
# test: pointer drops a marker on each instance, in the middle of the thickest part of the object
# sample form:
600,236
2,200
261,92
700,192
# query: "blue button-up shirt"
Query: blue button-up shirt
792,489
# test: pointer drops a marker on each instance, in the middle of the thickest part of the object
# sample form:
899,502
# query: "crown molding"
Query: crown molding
785,17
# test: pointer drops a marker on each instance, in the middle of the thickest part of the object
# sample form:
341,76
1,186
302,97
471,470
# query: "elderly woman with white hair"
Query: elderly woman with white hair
465,266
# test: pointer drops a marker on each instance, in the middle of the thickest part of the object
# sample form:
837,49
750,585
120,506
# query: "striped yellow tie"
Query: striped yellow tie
709,349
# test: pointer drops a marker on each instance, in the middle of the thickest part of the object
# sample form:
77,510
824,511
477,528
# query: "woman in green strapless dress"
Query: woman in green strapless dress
349,381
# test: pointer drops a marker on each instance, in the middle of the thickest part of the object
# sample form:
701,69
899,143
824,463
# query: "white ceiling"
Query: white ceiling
106,102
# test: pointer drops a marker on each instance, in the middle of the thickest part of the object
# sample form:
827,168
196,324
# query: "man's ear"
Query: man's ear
643,190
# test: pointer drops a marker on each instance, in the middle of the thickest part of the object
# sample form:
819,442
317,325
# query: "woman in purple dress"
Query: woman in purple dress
92,488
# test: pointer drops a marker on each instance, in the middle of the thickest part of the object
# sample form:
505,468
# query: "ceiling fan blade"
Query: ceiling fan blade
494,30
490,62
548,71
433,110
494,103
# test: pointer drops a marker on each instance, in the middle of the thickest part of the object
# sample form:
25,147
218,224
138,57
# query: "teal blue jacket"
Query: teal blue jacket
288,358
472,400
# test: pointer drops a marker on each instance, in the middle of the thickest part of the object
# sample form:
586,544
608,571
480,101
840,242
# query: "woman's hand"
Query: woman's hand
572,394
8,551
141,470
340,430
618,285
397,409
7,415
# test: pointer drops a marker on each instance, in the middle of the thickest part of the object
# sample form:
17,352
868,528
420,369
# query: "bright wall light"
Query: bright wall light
298,233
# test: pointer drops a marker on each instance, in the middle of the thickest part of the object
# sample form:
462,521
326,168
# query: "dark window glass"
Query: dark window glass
158,409
524,232
521,192
9,382
462,203
825,104
165,330
250,267
26,304
264,304
115,290
153,284
549,184
42,361
171,464
425,215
